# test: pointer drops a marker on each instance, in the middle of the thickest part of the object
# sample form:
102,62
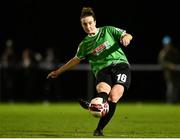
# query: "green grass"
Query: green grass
63,120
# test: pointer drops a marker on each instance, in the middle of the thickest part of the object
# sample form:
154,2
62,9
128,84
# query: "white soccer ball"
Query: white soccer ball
97,108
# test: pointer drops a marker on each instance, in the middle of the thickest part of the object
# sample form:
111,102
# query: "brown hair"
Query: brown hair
87,11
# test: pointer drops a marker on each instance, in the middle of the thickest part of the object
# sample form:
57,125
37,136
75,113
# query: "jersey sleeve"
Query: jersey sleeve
117,32
80,52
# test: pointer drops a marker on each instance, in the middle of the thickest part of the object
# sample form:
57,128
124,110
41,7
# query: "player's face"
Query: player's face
89,25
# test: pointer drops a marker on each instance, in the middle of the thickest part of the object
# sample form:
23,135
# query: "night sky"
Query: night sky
40,24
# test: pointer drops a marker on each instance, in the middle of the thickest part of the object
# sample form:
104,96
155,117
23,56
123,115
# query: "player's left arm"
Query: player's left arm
126,39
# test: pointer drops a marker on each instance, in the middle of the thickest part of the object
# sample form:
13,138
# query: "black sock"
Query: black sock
103,95
104,120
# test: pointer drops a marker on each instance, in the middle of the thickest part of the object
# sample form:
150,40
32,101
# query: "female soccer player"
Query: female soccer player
102,47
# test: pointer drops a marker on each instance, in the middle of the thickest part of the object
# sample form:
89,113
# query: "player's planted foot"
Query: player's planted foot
84,104
98,132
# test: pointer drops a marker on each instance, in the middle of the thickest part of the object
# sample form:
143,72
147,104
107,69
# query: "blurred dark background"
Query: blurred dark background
35,27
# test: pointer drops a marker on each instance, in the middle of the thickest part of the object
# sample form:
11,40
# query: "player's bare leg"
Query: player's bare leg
103,90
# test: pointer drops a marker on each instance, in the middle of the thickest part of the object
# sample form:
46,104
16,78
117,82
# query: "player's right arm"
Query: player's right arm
70,64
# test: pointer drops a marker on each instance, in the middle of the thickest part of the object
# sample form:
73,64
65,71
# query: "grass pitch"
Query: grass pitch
67,120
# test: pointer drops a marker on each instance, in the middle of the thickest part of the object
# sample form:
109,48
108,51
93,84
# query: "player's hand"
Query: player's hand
53,74
125,41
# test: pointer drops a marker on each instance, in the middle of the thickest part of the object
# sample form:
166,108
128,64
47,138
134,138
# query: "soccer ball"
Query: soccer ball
97,108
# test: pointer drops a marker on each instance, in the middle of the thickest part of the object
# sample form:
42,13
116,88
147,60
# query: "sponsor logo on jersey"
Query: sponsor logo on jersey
100,48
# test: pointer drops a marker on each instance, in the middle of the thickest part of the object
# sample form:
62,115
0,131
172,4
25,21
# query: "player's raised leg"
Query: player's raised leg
115,94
